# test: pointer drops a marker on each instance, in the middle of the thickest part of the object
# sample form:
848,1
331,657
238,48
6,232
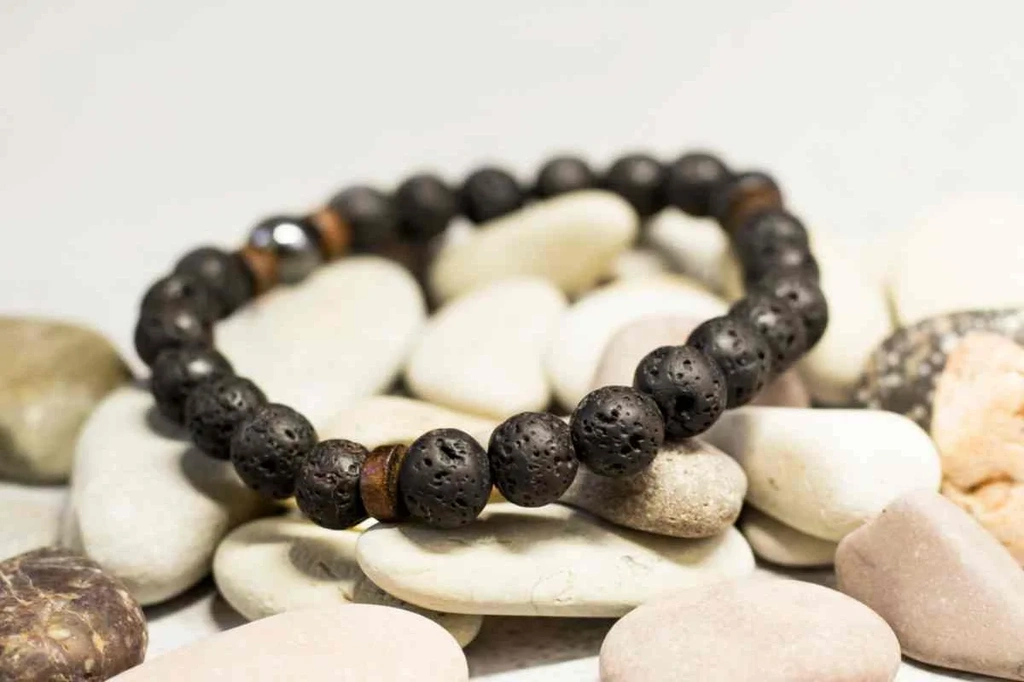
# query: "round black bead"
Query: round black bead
223,273
743,356
760,235
370,213
690,180
215,409
172,326
177,371
688,386
777,323
445,479
268,448
742,196
804,296
639,179
490,193
616,431
563,174
327,487
179,289
783,258
532,461
426,205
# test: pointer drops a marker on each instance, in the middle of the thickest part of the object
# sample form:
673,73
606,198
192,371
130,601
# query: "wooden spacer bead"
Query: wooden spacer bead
263,267
746,196
378,483
335,233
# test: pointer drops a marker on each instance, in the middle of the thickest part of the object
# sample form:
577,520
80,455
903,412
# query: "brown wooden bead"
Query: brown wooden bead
743,197
378,483
263,267
335,233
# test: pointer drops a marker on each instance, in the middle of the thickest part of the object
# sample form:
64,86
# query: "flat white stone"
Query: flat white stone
570,240
779,544
483,352
381,420
826,472
636,263
693,246
549,561
31,517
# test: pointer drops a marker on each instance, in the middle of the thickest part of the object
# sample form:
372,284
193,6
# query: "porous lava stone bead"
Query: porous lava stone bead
688,386
563,174
177,371
759,236
370,213
223,273
171,326
777,323
214,409
490,193
327,487
804,296
616,431
639,179
426,205
268,448
783,258
445,478
532,461
743,196
179,289
743,356
690,180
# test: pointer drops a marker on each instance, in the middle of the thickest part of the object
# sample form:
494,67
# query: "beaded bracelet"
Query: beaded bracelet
444,478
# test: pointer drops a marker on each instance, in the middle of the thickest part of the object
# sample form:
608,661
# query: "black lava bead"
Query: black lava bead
268,448
179,289
616,431
215,409
172,326
371,214
223,273
743,196
327,487
445,479
743,356
688,386
425,205
490,193
690,180
177,371
783,258
804,296
532,461
639,179
777,323
760,236
563,174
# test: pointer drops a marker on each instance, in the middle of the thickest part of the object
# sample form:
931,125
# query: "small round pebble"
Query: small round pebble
370,213
743,196
426,205
327,487
638,179
616,431
804,296
223,273
215,409
490,193
181,289
532,461
268,448
563,174
178,371
172,326
777,323
690,180
739,350
688,386
445,479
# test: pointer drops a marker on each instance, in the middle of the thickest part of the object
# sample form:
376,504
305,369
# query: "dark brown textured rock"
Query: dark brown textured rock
62,619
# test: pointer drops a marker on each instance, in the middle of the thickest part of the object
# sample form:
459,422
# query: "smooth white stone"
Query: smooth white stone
341,334
391,419
693,246
637,263
31,517
483,352
586,328
961,255
779,544
570,240
549,561
145,504
826,472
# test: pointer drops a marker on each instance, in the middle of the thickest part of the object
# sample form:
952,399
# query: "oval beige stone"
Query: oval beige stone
779,544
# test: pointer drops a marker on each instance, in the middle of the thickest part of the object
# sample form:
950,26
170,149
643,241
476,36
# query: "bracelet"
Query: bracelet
444,478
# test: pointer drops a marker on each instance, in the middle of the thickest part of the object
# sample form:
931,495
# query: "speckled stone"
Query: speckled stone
901,374
65,620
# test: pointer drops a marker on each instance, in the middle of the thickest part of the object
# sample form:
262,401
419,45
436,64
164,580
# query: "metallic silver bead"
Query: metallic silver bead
293,241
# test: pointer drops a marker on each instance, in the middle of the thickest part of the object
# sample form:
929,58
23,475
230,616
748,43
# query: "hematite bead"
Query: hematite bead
690,180
745,195
777,323
532,462
223,273
178,289
616,431
378,483
426,205
563,174
804,296
171,326
370,212
215,409
177,371
445,479
488,193
327,487
688,386
639,179
293,241
783,258
268,448
743,356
